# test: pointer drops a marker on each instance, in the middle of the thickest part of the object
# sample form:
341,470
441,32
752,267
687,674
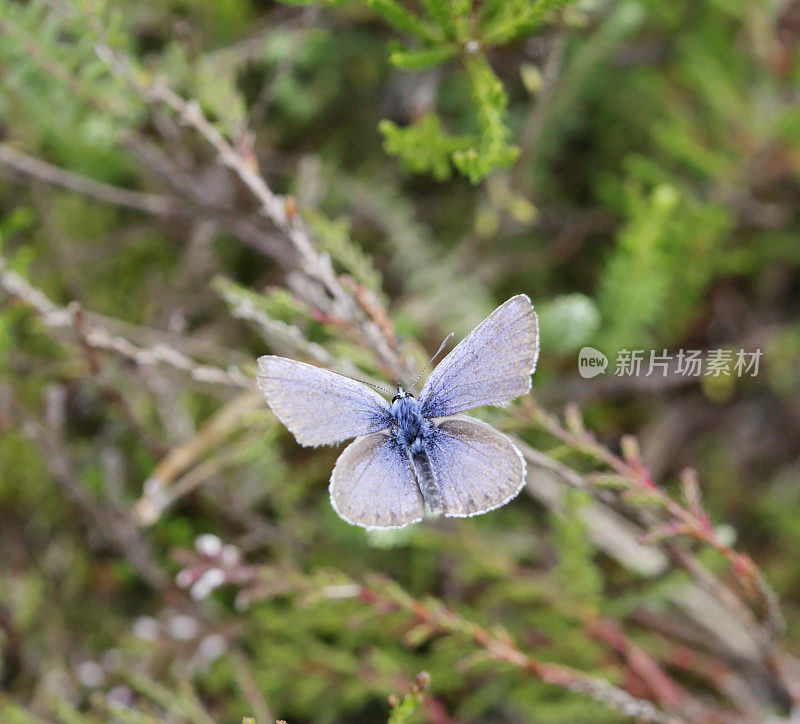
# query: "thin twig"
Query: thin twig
695,524
281,211
690,521
36,168
96,337
103,519
250,688
386,594
155,498
197,199
534,124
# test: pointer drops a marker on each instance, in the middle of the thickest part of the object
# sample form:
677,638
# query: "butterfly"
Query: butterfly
416,456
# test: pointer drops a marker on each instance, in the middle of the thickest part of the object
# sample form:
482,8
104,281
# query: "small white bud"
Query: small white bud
212,647
230,556
90,674
146,627
184,578
183,627
208,545
211,579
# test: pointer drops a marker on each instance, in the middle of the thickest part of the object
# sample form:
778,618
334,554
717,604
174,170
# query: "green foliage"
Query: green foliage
568,322
492,149
577,576
54,66
403,20
403,710
456,30
419,58
646,285
334,237
423,146
503,21
652,203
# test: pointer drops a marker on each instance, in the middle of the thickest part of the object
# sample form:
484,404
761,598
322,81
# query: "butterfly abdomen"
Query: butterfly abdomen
426,478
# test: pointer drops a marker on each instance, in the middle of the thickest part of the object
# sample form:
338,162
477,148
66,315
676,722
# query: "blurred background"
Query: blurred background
186,185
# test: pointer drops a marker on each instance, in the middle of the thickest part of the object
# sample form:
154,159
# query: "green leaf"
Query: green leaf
493,149
420,58
502,22
441,12
423,147
403,20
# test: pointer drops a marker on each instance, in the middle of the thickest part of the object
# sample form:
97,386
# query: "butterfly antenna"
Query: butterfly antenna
371,384
430,361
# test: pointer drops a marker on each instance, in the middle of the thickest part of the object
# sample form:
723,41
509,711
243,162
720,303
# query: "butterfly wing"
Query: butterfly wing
372,485
491,365
476,467
318,406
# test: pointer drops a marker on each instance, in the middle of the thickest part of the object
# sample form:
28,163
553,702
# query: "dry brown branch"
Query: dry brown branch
758,642
386,594
190,187
156,497
281,211
29,166
98,338
102,518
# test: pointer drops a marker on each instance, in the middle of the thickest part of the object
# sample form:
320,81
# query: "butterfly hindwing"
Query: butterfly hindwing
318,406
477,468
372,485
492,365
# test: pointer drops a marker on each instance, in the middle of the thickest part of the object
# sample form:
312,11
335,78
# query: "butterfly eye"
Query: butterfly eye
395,398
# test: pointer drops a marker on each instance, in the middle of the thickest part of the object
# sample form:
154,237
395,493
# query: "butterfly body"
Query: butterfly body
412,433
413,457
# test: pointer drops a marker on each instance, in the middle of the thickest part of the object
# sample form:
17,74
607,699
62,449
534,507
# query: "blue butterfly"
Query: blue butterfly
416,456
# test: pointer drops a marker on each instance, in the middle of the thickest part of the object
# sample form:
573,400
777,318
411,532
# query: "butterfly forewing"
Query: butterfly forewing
476,467
492,365
372,485
318,406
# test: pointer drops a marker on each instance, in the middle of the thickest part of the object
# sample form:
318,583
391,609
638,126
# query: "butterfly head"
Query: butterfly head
401,394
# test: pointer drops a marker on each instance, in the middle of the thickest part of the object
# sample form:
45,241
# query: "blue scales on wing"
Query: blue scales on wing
490,366
373,486
477,468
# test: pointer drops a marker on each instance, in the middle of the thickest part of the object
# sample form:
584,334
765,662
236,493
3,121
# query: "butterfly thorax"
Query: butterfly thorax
410,426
